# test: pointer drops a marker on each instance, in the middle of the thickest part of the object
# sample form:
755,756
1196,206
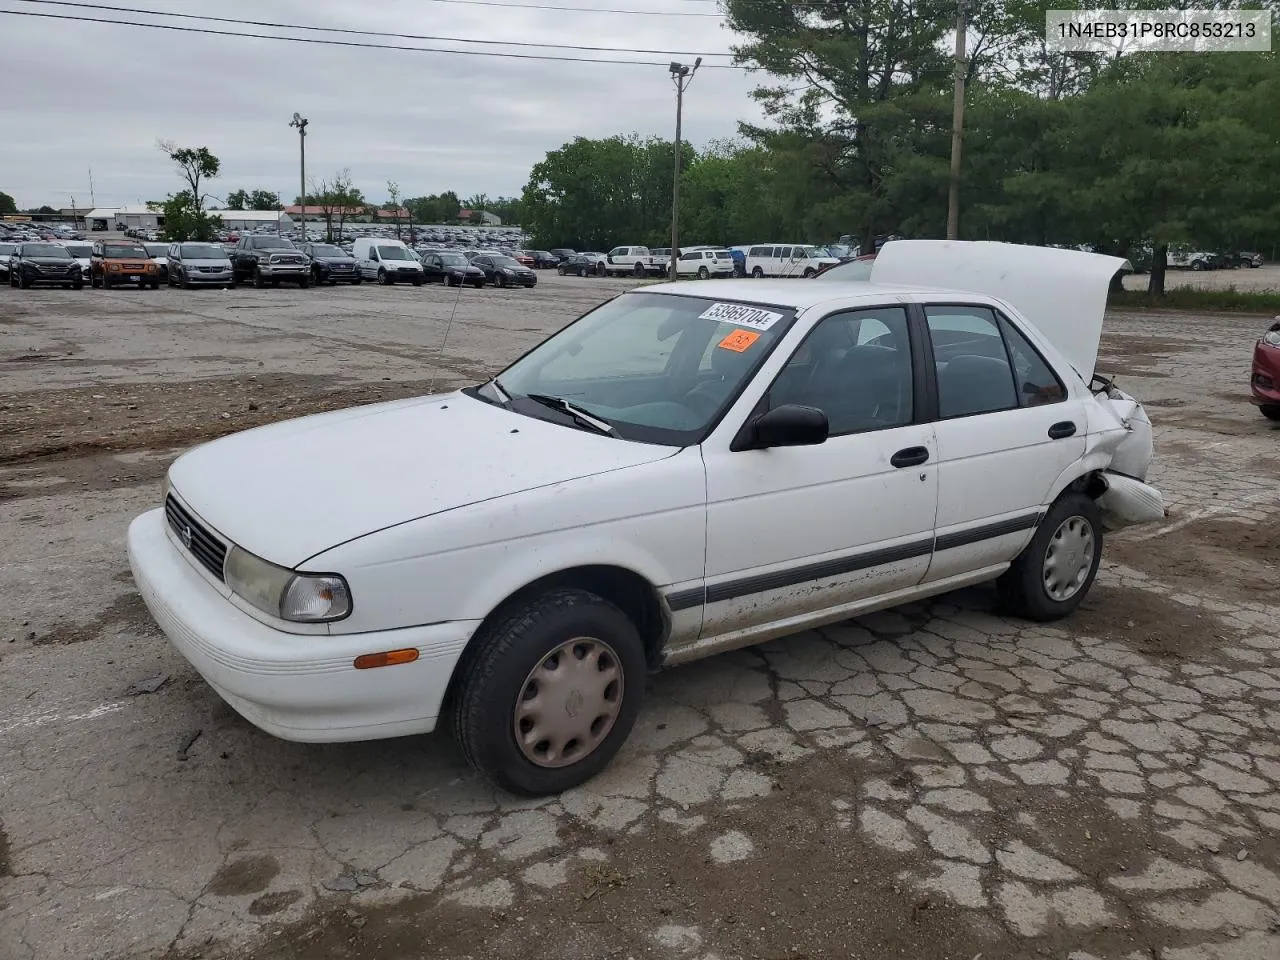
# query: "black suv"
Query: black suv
330,264
269,259
50,263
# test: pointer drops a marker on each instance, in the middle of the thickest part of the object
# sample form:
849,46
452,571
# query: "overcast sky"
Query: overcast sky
83,95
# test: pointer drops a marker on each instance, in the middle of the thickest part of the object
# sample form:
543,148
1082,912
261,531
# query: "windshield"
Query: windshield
453,260
393,253
8,247
45,250
202,251
82,250
272,243
326,250
157,249
504,262
658,368
124,250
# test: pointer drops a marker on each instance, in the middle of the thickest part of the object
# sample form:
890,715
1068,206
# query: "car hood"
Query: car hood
351,260
50,261
1062,292
291,490
218,262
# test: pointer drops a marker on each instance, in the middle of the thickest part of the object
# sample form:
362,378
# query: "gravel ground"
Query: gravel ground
933,781
1265,277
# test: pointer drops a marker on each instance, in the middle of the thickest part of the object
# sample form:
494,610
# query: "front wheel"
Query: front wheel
384,278
1051,577
1270,410
560,270
78,285
155,284
703,273
757,274
304,282
549,692
259,281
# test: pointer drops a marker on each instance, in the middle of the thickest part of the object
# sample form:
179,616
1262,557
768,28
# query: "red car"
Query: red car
1265,381
524,258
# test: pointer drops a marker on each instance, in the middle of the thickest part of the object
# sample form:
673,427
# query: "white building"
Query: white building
253,219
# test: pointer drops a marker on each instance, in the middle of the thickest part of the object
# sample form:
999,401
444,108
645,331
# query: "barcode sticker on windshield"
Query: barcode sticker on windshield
742,316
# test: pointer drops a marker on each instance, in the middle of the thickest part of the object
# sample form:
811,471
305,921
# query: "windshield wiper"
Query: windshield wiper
579,415
500,391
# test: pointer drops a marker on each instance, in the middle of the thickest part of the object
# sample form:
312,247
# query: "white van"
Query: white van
787,260
387,261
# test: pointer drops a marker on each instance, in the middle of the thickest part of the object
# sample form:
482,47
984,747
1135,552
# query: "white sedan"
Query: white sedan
686,469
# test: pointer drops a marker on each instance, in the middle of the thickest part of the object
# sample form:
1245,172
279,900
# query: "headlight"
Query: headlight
113,267
1272,337
278,592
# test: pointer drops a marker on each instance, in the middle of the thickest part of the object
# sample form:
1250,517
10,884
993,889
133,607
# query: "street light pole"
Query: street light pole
957,129
682,76
300,122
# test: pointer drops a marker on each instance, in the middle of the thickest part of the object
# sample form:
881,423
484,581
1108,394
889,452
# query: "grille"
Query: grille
213,269
203,545
285,258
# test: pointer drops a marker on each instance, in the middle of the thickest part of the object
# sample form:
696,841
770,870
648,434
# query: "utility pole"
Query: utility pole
300,122
957,128
92,201
682,76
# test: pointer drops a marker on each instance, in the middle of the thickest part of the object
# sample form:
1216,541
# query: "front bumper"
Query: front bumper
294,686
1264,382
283,269
45,276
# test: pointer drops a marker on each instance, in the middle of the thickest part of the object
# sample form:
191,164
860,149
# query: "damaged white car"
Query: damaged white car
686,469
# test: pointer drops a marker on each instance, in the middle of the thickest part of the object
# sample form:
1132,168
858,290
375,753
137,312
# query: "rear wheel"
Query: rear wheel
560,270
1271,411
1051,577
600,270
1197,264
638,270
549,692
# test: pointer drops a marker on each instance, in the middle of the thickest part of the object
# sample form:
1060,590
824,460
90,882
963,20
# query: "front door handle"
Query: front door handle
910,457
1062,430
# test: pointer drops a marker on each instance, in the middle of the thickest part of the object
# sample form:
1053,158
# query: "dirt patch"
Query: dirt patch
1135,356
806,888
6,866
244,876
1220,558
125,611
52,476
85,420
1151,623
269,903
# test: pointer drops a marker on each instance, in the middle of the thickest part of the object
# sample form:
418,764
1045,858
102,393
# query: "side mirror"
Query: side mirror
790,425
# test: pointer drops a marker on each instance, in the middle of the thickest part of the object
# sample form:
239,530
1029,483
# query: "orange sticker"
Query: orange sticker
739,341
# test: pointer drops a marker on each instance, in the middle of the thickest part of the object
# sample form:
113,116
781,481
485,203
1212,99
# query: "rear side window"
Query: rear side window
1037,383
974,375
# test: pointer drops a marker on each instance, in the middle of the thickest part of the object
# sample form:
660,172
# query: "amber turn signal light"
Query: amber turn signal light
388,659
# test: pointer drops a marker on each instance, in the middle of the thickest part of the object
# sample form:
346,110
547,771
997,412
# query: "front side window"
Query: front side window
856,368
658,368
974,375
691,256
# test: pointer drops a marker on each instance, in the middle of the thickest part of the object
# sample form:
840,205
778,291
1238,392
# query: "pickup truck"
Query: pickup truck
269,259
637,261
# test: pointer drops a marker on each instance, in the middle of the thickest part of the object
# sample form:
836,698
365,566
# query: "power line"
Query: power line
364,33
352,43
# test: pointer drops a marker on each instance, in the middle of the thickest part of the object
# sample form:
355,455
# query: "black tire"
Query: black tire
501,280
417,281
496,670
259,281
1197,264
703,273
304,282
757,274
808,272
638,270
315,275
66,286
78,285
357,281
1022,587
560,270
107,282
601,270
1270,410
275,282
155,284
385,278
23,283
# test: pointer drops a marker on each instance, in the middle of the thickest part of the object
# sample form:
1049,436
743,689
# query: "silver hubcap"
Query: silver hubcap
1069,558
569,702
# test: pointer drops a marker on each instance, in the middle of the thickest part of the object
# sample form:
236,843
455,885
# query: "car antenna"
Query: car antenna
431,385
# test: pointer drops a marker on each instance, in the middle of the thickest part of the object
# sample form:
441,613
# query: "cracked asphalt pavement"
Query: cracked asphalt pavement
932,781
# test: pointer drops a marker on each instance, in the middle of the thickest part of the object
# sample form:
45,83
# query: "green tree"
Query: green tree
238,200
195,165
254,200
393,202
338,198
185,220
435,208
7,204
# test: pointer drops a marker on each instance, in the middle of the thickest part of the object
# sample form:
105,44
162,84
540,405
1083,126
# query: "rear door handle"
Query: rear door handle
1061,430
910,457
